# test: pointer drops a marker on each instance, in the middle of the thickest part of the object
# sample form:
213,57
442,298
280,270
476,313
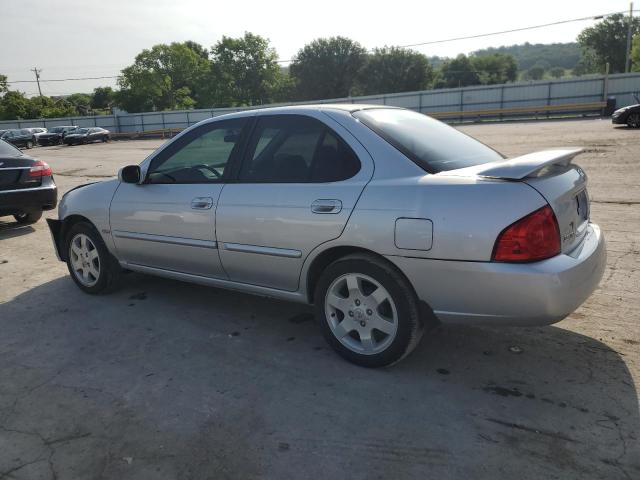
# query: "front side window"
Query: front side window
296,149
432,145
201,156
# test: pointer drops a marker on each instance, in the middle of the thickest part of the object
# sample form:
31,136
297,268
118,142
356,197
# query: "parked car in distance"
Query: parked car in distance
55,135
26,185
37,131
383,218
86,135
629,115
19,138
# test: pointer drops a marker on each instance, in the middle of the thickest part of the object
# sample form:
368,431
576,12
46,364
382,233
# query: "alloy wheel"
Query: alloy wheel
361,313
85,260
634,120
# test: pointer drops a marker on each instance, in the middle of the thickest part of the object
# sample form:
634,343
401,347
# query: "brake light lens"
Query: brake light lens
40,169
532,238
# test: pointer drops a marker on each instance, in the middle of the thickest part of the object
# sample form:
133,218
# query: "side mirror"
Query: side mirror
130,174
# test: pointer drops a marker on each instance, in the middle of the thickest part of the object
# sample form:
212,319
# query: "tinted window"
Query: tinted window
200,156
296,149
8,150
431,144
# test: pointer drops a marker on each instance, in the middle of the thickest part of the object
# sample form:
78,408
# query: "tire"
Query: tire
355,295
105,139
98,271
28,218
633,120
29,145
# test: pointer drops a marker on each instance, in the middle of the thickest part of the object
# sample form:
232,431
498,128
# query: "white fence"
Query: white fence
564,92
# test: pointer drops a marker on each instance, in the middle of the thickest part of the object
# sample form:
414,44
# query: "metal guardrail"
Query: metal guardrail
494,112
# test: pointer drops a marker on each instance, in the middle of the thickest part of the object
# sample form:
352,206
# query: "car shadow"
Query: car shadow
14,229
189,379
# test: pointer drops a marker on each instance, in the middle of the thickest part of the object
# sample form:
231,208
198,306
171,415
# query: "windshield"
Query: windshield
7,149
431,144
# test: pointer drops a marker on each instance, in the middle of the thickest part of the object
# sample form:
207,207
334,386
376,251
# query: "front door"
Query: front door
168,222
298,183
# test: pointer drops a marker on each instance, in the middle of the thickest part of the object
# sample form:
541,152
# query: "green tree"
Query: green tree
327,68
495,68
243,71
390,70
81,102
13,106
557,72
102,98
162,78
534,73
635,54
607,42
4,86
47,107
457,72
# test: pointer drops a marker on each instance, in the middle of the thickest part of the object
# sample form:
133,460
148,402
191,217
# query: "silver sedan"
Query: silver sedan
386,220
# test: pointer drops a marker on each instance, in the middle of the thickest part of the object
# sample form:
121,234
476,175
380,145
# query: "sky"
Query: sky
69,39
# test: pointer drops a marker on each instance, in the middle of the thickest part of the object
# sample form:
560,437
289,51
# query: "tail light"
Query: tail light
534,237
40,169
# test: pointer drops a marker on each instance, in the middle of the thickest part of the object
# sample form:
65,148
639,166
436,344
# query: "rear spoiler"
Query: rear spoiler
526,165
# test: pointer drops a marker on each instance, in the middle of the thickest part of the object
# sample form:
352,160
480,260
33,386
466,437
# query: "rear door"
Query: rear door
298,184
169,221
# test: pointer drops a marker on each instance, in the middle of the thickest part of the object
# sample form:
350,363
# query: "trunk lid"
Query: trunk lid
552,174
14,173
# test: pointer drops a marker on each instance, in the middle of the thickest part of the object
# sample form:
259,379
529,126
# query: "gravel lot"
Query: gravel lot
166,380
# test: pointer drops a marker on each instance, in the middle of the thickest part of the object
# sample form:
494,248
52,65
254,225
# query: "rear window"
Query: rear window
432,145
7,149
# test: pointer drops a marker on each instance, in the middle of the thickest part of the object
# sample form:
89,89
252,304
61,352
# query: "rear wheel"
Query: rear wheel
368,311
91,265
27,218
633,120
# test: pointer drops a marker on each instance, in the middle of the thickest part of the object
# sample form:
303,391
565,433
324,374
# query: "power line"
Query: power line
65,79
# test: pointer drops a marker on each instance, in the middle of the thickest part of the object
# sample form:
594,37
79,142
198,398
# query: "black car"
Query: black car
55,135
26,185
628,115
19,138
87,135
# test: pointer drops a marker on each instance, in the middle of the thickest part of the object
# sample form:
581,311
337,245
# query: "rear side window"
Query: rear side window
432,145
8,149
296,149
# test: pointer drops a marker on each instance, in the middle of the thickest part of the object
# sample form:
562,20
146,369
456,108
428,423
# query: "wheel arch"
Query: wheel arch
67,223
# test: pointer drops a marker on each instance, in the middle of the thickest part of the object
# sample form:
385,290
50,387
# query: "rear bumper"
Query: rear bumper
539,293
24,200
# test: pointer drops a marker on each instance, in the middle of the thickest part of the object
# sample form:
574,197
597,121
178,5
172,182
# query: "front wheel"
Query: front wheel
633,120
28,218
91,265
368,311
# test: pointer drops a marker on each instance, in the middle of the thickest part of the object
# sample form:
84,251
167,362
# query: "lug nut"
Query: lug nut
363,323
369,311
350,313
357,302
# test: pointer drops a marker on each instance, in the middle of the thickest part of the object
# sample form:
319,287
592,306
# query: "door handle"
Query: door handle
326,206
202,203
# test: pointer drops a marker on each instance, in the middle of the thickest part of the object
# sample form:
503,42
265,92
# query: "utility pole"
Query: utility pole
37,72
627,65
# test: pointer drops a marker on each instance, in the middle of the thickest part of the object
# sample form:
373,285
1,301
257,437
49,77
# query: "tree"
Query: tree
4,86
102,98
635,54
81,102
495,68
13,106
557,72
327,68
162,78
393,69
607,42
534,73
244,71
47,107
458,72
